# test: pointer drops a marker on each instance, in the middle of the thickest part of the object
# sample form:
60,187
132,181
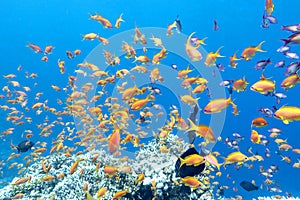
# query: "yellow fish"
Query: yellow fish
192,51
192,160
217,105
212,57
288,114
235,157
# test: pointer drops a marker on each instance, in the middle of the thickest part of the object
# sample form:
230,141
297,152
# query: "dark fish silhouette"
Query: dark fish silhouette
24,146
248,186
178,24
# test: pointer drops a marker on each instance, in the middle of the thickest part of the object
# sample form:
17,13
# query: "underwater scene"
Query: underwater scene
150,100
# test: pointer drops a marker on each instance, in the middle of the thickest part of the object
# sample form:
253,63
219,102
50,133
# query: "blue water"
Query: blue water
61,24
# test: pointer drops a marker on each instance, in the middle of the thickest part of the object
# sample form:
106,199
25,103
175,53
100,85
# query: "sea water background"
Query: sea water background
61,23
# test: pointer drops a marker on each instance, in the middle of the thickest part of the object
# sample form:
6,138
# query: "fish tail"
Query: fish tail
258,48
193,126
135,59
201,42
189,38
286,41
234,107
219,166
204,40
181,162
218,52
224,163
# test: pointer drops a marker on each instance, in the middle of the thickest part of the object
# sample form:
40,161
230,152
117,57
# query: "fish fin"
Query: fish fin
286,41
258,47
285,121
219,166
225,162
181,162
218,52
189,38
193,126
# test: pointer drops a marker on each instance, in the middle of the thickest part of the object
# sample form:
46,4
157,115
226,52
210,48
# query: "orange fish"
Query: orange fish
240,85
192,51
35,48
74,166
109,170
22,180
212,57
90,36
119,194
101,192
160,55
288,114
259,122
118,21
191,182
105,22
45,58
255,137
77,52
290,81
250,51
48,49
203,131
139,36
217,105
139,104
114,141
232,60
235,157
142,59
264,86
192,160
269,7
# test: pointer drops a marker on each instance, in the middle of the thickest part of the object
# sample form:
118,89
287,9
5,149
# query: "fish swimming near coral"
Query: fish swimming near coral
184,170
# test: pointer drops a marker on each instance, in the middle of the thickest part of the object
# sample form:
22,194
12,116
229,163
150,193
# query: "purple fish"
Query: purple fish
280,64
216,27
292,68
266,111
271,19
291,55
265,22
220,67
283,49
226,83
174,66
262,64
292,28
294,39
279,96
274,130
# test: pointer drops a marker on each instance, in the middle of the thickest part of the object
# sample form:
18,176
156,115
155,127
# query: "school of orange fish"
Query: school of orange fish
18,104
